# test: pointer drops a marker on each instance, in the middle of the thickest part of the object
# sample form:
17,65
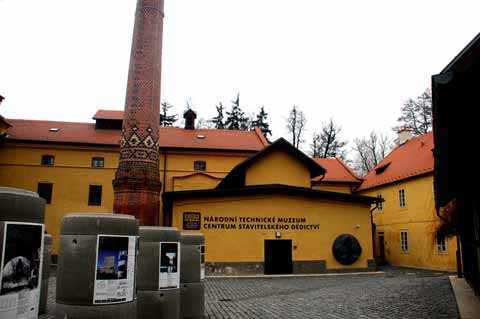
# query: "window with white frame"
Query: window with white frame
441,242
401,198
380,203
404,240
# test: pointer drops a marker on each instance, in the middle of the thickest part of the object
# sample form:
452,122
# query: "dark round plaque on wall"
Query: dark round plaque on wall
346,249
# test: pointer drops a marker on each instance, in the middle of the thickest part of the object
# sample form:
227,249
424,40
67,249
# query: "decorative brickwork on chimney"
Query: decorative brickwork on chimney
137,183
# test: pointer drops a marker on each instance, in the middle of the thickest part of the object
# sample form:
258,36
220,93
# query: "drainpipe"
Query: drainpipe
373,230
164,179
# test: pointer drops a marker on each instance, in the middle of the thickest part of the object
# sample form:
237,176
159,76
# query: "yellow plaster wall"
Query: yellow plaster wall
337,187
197,181
278,167
419,219
334,218
72,174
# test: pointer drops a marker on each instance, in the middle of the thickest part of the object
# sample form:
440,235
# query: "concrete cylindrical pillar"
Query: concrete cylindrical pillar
47,257
21,242
159,273
192,276
96,267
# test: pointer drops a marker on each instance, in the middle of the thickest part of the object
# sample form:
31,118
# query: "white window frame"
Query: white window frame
441,245
404,241
402,198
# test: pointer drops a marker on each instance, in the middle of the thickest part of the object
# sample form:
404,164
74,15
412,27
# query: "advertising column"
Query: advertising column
21,254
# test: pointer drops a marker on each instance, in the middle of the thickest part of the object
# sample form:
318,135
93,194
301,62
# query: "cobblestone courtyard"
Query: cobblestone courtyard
397,293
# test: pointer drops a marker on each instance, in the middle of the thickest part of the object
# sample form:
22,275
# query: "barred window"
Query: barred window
199,165
441,242
48,160
401,198
404,240
98,162
380,204
95,195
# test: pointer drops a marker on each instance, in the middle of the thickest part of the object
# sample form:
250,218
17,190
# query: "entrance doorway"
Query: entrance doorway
381,240
278,257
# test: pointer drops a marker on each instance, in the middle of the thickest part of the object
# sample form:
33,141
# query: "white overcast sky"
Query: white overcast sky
353,61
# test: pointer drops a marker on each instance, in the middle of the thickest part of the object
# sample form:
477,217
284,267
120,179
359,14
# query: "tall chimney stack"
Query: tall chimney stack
137,182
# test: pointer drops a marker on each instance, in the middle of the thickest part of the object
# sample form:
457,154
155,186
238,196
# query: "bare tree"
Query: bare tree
369,151
328,143
296,123
416,115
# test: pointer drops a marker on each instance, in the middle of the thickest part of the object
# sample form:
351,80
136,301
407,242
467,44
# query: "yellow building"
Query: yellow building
406,223
265,217
72,165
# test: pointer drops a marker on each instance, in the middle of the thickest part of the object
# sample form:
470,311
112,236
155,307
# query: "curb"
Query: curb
295,276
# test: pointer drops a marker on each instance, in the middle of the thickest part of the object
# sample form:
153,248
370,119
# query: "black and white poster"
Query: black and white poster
21,270
202,261
169,265
115,269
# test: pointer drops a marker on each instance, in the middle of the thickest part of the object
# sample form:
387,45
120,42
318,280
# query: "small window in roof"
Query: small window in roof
54,129
201,136
382,168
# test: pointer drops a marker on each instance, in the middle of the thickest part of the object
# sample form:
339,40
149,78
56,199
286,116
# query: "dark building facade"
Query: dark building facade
456,97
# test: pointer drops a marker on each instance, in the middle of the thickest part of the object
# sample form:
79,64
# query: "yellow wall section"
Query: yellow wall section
196,181
334,218
72,174
278,167
419,219
330,187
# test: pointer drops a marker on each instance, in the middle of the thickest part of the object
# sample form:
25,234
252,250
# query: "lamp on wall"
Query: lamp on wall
278,234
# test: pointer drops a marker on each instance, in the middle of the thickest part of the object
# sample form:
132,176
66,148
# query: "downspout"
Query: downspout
373,230
164,179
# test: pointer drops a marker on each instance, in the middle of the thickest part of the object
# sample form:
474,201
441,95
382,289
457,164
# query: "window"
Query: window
401,198
404,240
380,204
45,190
48,160
441,242
199,165
95,195
97,161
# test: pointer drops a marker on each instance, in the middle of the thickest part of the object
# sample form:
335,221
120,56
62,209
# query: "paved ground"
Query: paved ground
398,293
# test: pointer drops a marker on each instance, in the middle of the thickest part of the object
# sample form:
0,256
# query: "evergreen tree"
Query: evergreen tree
261,122
236,119
165,119
217,121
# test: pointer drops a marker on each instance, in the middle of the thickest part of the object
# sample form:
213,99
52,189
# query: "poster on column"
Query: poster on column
169,265
21,270
202,261
115,269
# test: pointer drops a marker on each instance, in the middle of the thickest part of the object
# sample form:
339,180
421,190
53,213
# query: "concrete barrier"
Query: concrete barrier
159,273
47,257
192,276
96,267
21,244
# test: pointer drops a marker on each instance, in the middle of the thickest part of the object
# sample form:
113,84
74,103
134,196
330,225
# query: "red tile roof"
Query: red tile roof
170,137
4,121
108,115
337,171
413,158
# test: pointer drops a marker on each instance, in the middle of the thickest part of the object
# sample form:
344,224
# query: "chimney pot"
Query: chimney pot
189,117
404,135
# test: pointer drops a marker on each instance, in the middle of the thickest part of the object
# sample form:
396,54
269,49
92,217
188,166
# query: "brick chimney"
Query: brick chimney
137,182
189,117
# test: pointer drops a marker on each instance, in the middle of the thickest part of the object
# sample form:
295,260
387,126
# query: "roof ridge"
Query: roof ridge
50,121
350,171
